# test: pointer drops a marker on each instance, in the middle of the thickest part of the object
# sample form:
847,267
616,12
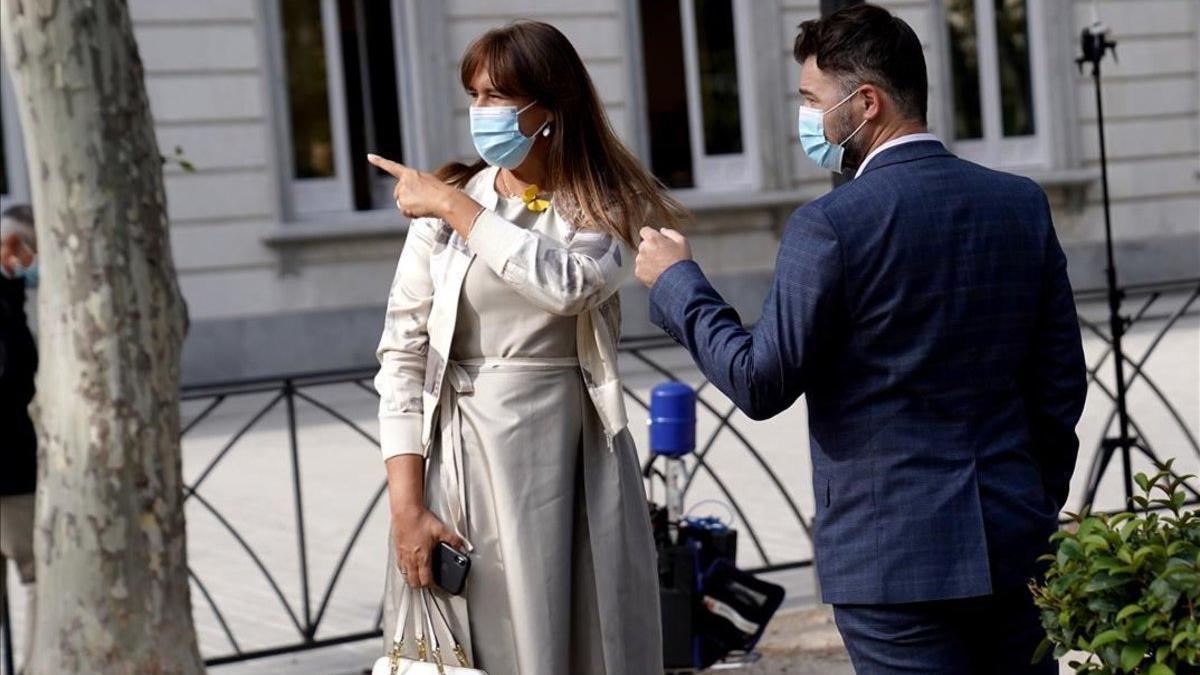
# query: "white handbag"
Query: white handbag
429,653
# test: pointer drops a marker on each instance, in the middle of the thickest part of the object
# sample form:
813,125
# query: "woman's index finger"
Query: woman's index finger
394,168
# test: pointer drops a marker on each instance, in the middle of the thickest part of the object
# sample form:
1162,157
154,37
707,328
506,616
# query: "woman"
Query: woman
502,326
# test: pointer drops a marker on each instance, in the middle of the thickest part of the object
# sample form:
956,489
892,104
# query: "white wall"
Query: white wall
210,89
1152,114
212,92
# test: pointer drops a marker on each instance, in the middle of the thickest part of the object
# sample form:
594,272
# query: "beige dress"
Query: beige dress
521,415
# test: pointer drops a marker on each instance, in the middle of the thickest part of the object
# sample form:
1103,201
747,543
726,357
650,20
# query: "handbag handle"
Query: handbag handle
401,623
459,652
423,628
435,649
407,607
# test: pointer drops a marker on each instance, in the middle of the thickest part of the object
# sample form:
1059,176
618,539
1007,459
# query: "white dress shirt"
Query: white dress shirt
907,138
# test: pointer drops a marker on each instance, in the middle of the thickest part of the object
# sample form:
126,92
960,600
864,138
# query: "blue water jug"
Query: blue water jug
672,419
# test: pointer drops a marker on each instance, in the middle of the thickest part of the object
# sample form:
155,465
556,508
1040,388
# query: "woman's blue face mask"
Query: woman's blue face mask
496,131
826,154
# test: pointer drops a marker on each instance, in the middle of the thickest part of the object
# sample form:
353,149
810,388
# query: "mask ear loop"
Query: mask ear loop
852,133
846,140
543,130
839,103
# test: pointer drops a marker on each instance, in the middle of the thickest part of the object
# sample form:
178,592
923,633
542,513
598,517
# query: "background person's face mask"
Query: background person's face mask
826,154
496,132
28,274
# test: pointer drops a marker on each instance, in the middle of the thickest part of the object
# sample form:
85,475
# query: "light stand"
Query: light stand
1095,44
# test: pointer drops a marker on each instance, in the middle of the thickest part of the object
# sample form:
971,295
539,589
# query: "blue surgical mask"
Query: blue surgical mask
497,135
28,274
826,154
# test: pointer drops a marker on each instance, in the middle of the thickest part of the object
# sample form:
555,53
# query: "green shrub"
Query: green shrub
1125,588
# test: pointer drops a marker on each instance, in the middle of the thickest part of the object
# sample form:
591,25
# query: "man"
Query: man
18,444
924,307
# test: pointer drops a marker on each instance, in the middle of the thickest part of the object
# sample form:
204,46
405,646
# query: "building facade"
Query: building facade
286,240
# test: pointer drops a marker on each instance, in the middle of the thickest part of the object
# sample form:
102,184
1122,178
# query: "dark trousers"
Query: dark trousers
994,634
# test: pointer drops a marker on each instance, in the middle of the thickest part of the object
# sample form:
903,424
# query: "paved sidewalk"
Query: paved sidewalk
802,642
798,642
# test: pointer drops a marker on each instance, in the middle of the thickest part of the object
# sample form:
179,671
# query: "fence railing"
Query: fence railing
1144,301
306,608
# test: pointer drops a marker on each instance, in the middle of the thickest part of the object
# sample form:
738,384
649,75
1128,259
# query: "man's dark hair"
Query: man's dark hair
866,44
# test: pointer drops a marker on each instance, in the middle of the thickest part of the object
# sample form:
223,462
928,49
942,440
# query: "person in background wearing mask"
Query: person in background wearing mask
924,309
18,442
502,325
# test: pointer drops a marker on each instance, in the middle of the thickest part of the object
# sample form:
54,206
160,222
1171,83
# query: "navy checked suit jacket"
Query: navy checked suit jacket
924,309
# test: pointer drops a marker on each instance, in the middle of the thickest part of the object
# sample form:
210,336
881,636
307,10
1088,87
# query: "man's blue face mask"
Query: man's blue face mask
496,132
826,154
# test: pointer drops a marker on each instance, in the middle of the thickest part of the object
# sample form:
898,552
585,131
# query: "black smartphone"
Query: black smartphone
450,568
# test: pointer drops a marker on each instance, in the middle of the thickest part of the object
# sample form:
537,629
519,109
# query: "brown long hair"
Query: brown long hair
587,162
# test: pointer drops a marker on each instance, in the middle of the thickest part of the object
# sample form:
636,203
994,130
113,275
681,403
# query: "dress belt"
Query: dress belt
548,363
458,383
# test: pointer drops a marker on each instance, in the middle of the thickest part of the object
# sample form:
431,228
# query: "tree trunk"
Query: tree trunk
111,555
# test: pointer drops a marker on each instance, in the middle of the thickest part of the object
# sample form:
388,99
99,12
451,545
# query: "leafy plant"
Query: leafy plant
1125,588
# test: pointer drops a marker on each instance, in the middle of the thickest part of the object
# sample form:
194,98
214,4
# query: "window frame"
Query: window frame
1034,151
711,173
14,144
308,199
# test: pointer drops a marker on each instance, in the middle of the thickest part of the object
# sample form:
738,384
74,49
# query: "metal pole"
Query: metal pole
289,390
6,620
1094,44
1115,295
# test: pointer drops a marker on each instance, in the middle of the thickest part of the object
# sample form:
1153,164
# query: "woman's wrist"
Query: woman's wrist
459,211
406,484
407,509
449,201
446,200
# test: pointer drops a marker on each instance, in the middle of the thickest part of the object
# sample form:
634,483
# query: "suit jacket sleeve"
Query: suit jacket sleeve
1054,381
404,345
763,370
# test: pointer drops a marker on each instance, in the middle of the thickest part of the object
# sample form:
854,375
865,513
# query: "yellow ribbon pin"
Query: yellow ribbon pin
532,202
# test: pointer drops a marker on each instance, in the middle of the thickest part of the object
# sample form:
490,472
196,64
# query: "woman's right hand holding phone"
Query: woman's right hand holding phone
416,531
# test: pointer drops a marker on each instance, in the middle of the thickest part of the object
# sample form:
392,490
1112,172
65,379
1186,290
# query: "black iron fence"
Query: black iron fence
306,612
1147,304
1158,308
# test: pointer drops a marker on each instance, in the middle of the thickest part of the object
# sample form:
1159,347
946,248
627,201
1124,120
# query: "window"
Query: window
996,87
3,160
340,99
698,105
13,185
